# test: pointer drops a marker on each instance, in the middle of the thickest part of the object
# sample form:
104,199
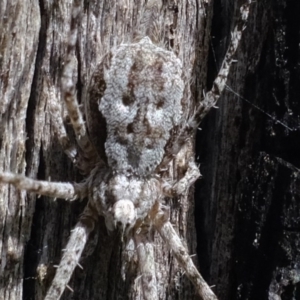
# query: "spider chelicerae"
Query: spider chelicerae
137,123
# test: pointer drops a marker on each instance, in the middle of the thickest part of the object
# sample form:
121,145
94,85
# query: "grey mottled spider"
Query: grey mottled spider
136,101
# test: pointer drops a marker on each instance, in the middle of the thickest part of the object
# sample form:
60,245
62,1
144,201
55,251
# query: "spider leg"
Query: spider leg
72,254
59,128
171,238
52,189
69,90
191,175
146,262
184,168
219,84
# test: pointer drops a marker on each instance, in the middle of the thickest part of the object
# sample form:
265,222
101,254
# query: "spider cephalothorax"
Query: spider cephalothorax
138,122
123,199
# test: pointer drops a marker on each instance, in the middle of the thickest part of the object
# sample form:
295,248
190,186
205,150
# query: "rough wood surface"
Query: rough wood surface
185,29
19,39
248,200
247,204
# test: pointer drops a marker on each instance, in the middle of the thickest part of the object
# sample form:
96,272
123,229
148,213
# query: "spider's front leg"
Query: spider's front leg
72,253
63,190
171,238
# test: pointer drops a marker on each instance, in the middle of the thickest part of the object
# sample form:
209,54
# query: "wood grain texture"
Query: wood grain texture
33,231
103,25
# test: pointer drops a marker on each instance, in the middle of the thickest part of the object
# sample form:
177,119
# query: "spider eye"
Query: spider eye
120,225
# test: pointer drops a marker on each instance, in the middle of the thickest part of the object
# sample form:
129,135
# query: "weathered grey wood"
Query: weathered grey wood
19,38
185,29
247,206
248,200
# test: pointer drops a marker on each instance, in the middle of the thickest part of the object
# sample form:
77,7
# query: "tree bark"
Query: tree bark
246,206
35,230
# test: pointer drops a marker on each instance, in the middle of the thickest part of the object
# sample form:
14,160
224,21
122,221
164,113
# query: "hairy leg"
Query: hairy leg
57,122
69,90
63,190
211,98
171,238
185,169
72,254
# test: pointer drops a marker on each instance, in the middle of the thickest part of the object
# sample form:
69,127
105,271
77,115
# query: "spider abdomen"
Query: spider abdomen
141,103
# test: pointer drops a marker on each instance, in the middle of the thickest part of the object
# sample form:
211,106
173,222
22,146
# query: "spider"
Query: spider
136,98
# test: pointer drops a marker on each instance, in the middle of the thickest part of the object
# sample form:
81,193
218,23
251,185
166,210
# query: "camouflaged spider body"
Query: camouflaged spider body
137,122
137,93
